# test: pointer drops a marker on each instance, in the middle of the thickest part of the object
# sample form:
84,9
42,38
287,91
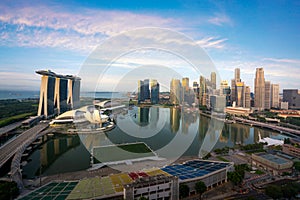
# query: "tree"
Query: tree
288,192
297,165
200,188
274,191
8,190
235,177
184,191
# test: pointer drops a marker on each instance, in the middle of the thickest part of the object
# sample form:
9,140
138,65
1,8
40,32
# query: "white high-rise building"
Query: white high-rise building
274,95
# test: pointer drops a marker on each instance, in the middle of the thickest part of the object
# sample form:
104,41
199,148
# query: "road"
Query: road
270,126
11,147
10,127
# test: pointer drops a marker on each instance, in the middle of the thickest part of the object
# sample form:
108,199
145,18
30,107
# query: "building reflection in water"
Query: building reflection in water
154,117
210,130
54,148
143,116
174,119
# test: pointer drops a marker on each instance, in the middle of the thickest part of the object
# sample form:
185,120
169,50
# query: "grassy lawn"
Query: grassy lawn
222,159
121,152
135,148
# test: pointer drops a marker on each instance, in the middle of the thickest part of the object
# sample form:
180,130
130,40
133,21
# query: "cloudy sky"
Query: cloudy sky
62,36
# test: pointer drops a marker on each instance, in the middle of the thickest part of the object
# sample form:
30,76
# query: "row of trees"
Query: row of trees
184,190
286,191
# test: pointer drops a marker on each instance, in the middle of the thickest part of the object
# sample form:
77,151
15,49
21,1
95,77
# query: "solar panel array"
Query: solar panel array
193,169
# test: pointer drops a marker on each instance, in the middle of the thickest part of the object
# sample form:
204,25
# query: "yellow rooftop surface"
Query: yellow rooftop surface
108,185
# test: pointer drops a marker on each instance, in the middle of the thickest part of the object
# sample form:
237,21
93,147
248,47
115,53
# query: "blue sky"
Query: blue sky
60,36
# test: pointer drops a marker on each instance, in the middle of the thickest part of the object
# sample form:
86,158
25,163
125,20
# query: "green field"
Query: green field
121,152
13,110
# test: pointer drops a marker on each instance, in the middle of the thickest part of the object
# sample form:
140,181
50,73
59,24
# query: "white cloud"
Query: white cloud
51,26
220,19
212,42
283,60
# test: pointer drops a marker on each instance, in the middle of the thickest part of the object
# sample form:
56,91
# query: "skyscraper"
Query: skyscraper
46,104
213,80
225,90
202,91
267,94
274,95
61,94
141,97
73,92
154,91
259,89
175,92
58,93
146,89
292,96
240,94
185,83
237,79
185,88
237,75
247,97
196,88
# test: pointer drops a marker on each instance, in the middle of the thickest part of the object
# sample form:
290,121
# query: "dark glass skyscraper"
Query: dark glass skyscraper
154,92
141,91
146,89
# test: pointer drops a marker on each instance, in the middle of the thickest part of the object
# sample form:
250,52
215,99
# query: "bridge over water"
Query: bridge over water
11,147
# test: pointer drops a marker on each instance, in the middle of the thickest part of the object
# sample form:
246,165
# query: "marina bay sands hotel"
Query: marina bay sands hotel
58,93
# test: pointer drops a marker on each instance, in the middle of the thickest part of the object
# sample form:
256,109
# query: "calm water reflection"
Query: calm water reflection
168,131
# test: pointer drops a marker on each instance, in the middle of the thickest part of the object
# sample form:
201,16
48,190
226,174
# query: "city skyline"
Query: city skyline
60,36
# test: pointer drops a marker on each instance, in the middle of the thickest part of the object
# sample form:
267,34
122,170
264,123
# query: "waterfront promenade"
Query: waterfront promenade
270,126
11,147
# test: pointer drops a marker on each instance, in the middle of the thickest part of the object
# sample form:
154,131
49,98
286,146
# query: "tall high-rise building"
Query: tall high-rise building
46,104
247,97
61,94
196,88
146,89
154,91
233,91
267,94
259,89
275,95
175,92
237,75
240,94
58,93
223,85
225,90
292,96
141,97
143,90
185,88
185,84
202,91
237,79
74,92
213,80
